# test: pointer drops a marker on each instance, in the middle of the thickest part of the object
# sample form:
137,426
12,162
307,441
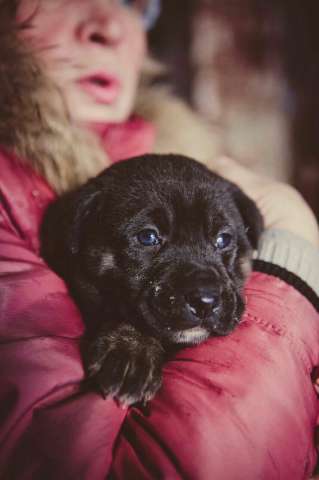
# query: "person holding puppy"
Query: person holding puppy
241,406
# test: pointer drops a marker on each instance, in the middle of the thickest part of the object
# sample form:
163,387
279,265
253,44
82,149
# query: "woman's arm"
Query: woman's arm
48,428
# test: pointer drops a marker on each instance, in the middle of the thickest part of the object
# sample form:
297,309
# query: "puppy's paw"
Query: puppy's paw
126,365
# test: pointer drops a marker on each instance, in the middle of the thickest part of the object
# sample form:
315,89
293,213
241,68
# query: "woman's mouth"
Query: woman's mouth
101,87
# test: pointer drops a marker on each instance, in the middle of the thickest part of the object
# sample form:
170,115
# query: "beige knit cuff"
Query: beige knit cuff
292,253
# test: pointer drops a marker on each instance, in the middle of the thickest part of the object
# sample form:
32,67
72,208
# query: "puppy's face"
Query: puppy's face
165,244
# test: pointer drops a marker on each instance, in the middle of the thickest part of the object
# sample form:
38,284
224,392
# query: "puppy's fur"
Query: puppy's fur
155,251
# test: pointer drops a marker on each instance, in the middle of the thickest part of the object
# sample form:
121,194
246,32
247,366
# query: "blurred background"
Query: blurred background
251,67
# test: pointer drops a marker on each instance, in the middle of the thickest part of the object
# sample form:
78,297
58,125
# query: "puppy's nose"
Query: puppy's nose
202,302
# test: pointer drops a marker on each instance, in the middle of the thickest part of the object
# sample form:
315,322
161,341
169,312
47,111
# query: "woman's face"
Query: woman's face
92,49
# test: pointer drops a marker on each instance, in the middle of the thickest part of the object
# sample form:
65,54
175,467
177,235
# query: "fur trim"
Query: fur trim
179,129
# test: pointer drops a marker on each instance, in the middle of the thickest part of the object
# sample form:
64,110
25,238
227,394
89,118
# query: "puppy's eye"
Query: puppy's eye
223,241
149,238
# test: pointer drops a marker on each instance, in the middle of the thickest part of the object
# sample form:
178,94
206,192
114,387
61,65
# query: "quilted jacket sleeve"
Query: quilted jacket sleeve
47,429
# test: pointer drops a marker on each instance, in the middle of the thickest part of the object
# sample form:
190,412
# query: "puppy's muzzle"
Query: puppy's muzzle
189,305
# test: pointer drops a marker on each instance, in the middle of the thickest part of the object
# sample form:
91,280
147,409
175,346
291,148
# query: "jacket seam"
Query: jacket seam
283,333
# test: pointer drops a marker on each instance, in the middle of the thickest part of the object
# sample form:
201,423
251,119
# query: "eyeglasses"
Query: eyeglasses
149,9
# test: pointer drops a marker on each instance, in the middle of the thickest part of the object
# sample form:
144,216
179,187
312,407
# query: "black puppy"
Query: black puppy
155,251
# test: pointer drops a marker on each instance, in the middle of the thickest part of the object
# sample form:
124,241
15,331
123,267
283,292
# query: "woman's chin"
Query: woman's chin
93,117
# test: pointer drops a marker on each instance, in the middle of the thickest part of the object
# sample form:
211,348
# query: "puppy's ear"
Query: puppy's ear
83,205
250,214
63,224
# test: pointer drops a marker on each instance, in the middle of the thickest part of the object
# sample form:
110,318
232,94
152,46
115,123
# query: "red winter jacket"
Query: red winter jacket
235,408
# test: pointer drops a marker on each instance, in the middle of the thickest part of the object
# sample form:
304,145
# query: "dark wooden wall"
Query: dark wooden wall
170,41
301,57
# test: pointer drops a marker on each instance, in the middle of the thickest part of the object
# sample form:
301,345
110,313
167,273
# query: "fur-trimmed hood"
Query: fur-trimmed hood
35,123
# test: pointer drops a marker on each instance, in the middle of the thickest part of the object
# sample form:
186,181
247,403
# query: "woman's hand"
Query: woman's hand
280,204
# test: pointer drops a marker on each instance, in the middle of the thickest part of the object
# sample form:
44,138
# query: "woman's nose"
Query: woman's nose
108,31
